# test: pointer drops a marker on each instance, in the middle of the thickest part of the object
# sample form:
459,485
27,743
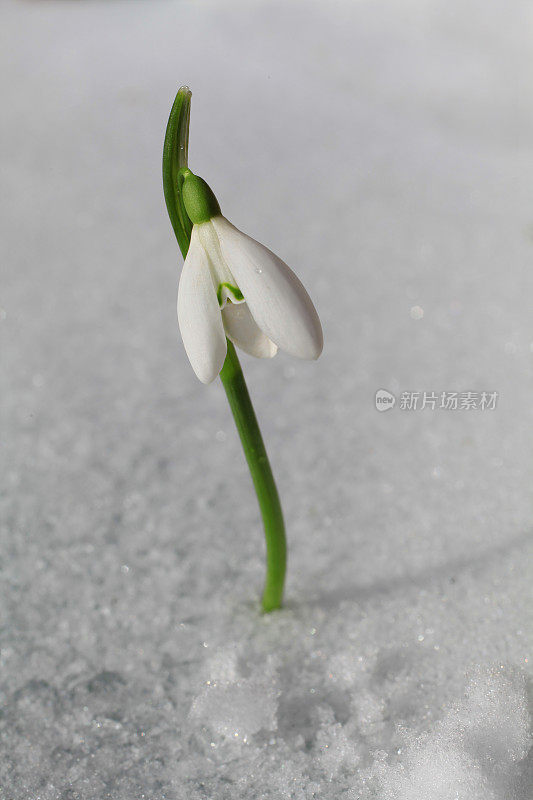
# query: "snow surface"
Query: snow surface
385,151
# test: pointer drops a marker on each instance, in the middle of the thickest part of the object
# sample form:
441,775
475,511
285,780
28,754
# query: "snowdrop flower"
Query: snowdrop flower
233,286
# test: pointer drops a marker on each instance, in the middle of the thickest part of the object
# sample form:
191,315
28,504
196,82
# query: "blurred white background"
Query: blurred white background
384,150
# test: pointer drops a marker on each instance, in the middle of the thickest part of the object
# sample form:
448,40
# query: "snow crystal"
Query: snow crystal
229,705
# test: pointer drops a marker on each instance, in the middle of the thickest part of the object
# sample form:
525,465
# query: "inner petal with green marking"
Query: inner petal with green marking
223,280
226,292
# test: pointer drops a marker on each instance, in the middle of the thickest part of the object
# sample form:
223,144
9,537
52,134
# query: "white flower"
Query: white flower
233,286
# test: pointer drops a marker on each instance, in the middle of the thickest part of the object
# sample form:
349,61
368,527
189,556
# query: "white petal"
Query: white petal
276,298
199,315
244,332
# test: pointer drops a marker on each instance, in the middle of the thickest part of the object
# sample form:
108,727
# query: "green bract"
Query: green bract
174,162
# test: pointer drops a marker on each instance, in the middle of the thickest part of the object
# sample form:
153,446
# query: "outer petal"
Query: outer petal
199,315
276,298
244,332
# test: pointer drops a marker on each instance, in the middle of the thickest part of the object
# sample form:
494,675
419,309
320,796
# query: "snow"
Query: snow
384,151
473,751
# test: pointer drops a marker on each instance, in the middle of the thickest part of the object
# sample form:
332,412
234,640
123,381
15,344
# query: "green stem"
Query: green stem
175,152
264,484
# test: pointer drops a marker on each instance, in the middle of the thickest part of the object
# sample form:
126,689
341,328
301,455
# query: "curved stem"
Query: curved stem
175,154
264,484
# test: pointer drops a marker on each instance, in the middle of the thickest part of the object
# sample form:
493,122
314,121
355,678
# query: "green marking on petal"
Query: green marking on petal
234,290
